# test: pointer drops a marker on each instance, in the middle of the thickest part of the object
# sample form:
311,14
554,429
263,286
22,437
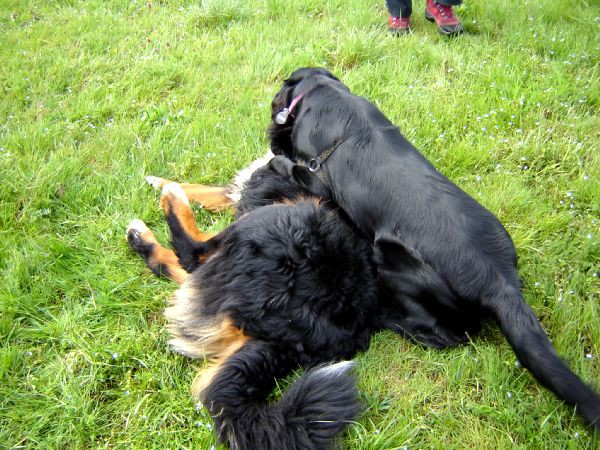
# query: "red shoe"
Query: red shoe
444,18
399,25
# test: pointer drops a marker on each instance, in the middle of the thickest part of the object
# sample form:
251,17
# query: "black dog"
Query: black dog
445,262
287,285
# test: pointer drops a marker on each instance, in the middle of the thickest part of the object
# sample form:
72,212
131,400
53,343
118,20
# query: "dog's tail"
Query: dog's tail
535,352
311,412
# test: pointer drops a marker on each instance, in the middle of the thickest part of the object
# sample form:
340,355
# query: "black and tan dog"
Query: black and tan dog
288,284
445,262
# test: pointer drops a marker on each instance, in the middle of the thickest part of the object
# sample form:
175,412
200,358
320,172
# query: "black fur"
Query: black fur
446,263
300,283
296,275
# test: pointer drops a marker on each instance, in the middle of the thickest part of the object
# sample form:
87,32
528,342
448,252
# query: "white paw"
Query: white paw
137,224
155,182
175,190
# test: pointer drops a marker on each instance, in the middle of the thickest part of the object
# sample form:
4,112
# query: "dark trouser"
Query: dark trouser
403,8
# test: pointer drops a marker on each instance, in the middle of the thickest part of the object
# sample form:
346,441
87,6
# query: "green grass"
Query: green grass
94,95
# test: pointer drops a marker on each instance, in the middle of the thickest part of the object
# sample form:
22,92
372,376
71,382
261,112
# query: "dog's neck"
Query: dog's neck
315,164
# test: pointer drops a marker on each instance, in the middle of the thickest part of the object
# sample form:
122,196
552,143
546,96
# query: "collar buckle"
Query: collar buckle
314,164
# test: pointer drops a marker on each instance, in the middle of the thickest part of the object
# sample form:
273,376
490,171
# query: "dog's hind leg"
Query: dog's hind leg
216,198
188,241
161,261
213,198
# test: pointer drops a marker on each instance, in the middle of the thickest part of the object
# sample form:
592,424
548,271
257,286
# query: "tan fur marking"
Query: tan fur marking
215,340
180,314
210,197
160,254
288,201
213,198
173,204
145,233
231,339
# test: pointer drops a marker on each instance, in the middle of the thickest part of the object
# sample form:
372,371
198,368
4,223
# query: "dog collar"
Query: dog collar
282,116
315,164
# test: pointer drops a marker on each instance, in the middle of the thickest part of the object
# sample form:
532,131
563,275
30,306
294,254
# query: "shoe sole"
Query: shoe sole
444,32
399,32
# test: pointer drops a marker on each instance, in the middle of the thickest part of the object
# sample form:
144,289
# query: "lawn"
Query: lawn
95,95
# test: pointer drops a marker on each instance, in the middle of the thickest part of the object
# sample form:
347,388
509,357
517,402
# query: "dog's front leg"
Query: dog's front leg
189,242
161,261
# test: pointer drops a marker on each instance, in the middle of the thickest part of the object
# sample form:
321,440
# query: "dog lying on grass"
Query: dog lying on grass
427,260
288,284
446,264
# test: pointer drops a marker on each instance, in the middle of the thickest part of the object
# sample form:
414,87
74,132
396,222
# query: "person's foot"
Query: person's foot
444,18
399,25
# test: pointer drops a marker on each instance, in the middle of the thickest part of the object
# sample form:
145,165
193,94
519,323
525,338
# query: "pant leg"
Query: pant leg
449,2
402,8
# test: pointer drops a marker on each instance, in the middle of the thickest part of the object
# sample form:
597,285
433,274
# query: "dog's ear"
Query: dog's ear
325,116
300,175
392,254
310,182
282,165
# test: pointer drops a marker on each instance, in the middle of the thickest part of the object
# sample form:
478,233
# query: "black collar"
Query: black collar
315,164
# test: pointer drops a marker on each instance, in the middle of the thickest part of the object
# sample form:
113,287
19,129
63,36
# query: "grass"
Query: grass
94,95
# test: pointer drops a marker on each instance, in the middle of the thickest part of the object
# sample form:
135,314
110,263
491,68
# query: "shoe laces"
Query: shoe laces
398,21
445,11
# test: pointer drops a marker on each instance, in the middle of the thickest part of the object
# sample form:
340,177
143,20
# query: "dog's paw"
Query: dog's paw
137,224
135,235
155,182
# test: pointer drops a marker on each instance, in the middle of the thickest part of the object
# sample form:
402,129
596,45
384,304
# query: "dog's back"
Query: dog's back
441,254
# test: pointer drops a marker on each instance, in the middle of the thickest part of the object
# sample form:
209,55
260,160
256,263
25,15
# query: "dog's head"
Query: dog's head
292,96
315,118
299,82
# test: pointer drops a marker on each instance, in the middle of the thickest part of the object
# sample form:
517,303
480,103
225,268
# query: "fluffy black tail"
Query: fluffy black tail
309,415
535,352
